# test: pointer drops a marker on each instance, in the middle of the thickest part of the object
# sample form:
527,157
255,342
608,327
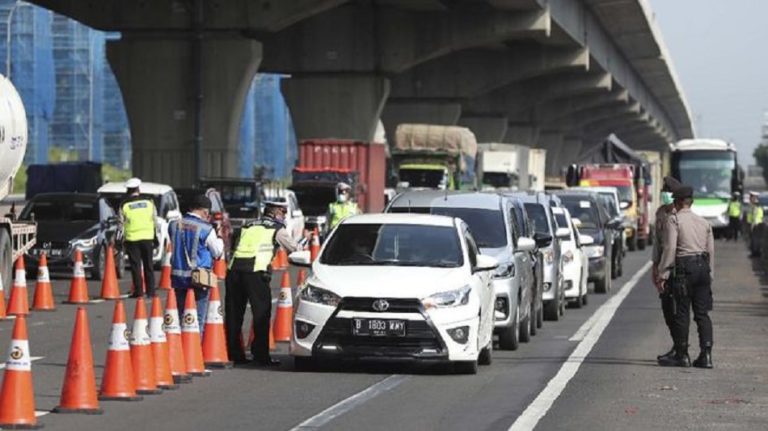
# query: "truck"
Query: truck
16,237
656,174
503,166
537,166
65,177
433,157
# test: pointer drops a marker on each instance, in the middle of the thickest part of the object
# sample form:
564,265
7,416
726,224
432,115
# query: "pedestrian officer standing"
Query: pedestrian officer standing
754,220
196,244
662,214
248,281
137,216
734,215
343,207
686,267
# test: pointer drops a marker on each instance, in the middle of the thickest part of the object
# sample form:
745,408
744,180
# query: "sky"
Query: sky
718,48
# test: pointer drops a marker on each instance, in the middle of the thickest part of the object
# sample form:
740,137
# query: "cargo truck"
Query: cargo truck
656,173
433,157
16,237
537,165
502,166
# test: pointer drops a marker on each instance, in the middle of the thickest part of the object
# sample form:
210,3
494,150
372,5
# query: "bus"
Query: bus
711,168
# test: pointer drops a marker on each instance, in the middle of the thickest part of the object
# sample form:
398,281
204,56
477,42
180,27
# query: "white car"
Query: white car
166,203
396,286
575,261
294,219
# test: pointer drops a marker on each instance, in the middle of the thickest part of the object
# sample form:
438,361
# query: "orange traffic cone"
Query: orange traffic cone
78,394
43,299
165,272
109,288
3,315
282,259
18,305
282,331
214,339
220,268
301,278
141,352
173,338
157,337
190,338
17,398
117,381
314,249
78,289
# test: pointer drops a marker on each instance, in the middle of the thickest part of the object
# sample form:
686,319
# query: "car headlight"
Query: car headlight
451,298
549,256
505,271
568,256
594,251
84,242
319,296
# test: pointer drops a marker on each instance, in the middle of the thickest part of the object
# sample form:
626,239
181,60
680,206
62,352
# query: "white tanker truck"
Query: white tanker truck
15,237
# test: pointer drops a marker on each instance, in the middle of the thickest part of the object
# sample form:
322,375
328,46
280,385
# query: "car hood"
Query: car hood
58,231
387,281
501,254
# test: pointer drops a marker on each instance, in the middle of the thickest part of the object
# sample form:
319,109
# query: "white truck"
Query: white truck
503,166
15,237
537,168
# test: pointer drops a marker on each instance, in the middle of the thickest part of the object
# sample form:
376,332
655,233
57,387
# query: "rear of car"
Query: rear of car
575,264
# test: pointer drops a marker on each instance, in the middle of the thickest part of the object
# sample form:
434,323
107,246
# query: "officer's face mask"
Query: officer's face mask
666,198
342,197
280,216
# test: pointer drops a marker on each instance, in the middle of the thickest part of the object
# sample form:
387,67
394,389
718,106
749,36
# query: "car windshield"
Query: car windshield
62,210
582,209
610,203
538,216
486,225
625,193
429,178
236,193
561,221
395,245
500,179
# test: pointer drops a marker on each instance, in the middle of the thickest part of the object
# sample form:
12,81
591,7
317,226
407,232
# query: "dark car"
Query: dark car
70,221
241,197
524,227
594,221
219,215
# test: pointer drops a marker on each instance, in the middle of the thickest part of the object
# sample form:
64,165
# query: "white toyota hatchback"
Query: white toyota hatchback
396,286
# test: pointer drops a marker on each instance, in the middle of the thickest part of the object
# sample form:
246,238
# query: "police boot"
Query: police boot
680,359
667,356
705,358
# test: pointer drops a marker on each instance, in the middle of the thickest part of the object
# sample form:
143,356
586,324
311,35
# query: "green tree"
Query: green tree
761,157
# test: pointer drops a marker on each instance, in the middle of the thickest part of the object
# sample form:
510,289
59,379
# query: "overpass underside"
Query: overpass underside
557,74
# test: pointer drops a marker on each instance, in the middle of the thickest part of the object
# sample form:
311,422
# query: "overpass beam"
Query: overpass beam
486,128
522,133
158,83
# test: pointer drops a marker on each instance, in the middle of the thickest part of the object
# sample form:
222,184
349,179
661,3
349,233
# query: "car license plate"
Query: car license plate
55,252
378,327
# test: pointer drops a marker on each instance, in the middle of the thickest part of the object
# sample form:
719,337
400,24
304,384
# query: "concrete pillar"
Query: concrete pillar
523,134
405,111
157,79
335,105
486,128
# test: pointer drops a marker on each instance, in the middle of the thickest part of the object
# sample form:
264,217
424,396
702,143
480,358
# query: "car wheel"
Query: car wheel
563,303
465,367
552,310
620,267
540,316
525,326
120,264
6,259
641,244
632,243
99,257
486,355
304,363
533,319
584,299
508,337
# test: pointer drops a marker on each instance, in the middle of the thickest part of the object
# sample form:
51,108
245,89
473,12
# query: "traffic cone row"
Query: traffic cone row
165,269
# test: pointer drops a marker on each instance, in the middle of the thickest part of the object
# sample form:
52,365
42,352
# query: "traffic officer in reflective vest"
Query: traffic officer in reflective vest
754,220
248,281
343,207
687,268
196,244
137,215
662,214
734,216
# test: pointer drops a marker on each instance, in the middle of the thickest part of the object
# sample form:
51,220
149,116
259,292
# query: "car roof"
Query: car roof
145,188
65,195
529,196
401,218
597,189
441,199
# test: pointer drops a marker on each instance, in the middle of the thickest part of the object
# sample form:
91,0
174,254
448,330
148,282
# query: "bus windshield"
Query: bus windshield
708,172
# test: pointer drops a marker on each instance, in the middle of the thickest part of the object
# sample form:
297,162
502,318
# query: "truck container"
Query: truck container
366,160
68,177
432,156
537,167
655,172
503,166
16,237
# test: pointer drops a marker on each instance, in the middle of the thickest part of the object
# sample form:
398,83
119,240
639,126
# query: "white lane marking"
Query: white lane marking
603,315
39,413
37,324
96,301
350,403
32,358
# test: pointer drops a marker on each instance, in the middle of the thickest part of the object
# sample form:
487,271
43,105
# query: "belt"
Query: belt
692,257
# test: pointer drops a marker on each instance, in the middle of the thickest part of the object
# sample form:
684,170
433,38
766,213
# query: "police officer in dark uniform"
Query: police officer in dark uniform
686,267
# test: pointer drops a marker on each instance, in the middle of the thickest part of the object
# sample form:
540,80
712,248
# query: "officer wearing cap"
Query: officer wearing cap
137,216
662,214
734,216
754,220
343,207
687,269
196,244
248,281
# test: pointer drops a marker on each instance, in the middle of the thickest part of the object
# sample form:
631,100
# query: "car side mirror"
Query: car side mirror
562,233
485,263
300,258
542,239
624,205
614,224
576,222
525,244
586,239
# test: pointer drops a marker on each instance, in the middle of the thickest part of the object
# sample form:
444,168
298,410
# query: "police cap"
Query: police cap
670,184
201,202
683,192
276,204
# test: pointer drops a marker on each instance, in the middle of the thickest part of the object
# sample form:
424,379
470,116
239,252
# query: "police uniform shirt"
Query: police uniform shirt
686,234
662,214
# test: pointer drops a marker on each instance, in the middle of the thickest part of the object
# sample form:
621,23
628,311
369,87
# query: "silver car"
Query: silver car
490,218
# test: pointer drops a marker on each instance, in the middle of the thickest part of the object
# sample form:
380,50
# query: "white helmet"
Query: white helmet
133,183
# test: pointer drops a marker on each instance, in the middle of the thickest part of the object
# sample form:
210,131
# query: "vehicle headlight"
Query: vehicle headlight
319,296
451,298
84,242
505,271
594,251
549,256
568,256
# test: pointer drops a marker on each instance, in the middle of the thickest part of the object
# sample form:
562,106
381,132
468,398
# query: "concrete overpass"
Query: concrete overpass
557,74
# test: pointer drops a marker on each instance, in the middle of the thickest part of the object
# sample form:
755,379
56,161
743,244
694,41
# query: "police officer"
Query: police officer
343,207
754,220
686,267
248,281
137,215
196,244
734,216
667,300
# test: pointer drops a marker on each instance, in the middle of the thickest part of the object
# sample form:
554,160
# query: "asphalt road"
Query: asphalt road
594,369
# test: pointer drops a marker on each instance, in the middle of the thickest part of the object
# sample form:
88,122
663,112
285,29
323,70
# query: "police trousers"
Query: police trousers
692,289
245,287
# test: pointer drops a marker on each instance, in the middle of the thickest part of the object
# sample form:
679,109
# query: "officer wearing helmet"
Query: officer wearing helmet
343,207
137,216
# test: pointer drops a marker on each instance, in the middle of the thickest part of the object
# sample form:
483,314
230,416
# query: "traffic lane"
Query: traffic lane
493,398
621,384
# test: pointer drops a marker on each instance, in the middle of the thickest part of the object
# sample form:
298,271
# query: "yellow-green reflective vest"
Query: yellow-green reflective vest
257,243
734,209
757,215
339,211
139,223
